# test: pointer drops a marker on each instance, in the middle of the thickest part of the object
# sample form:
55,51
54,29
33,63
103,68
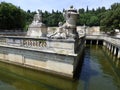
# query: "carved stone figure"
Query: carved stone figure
68,29
60,33
37,17
37,28
70,16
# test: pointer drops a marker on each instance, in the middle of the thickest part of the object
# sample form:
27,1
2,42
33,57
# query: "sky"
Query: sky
48,5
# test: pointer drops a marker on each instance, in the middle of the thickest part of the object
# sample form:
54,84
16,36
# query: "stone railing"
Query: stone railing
110,39
96,37
113,40
62,46
34,43
23,42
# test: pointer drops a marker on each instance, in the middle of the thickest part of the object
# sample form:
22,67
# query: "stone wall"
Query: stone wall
47,62
94,30
111,42
63,46
58,56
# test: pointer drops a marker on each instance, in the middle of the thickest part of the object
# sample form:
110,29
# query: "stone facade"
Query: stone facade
94,30
56,63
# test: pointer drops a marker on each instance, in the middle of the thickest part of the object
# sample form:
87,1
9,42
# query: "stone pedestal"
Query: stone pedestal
38,30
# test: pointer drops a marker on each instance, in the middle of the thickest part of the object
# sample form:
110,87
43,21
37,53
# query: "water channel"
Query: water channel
100,71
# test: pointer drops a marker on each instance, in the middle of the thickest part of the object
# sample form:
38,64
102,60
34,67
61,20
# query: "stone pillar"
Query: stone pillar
104,43
112,49
115,50
109,46
118,53
85,41
91,42
97,42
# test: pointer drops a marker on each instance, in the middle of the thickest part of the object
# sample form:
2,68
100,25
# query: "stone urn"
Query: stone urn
71,16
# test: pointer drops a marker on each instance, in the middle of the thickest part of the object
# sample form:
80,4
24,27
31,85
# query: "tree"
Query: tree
94,21
87,9
11,17
110,19
107,19
81,11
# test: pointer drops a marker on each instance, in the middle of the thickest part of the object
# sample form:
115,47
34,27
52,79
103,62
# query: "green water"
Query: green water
100,71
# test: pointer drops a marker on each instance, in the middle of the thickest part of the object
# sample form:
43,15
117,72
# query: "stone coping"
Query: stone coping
105,38
43,38
39,50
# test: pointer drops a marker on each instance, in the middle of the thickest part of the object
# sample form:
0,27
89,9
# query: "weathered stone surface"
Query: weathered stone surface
37,28
68,29
58,63
60,67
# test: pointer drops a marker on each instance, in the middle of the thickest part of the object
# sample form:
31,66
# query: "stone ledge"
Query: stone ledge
44,51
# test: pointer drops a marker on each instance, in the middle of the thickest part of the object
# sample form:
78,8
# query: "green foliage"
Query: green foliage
11,17
52,19
110,19
94,21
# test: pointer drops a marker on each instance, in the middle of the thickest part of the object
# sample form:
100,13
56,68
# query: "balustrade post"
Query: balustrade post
115,50
118,53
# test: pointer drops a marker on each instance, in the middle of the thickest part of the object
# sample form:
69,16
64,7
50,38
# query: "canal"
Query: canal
100,71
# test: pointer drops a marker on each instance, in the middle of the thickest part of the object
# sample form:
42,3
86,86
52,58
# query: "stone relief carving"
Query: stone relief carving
60,32
37,28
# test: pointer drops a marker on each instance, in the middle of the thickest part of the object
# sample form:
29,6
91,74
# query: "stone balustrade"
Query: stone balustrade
34,43
58,56
23,42
112,40
63,46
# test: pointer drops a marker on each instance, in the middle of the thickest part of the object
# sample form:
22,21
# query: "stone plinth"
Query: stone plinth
38,30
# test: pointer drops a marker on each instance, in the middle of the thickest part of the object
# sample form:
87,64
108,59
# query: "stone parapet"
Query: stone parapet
58,56
62,46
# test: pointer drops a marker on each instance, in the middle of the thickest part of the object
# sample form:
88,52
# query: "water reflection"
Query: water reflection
25,79
97,72
100,71
87,71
